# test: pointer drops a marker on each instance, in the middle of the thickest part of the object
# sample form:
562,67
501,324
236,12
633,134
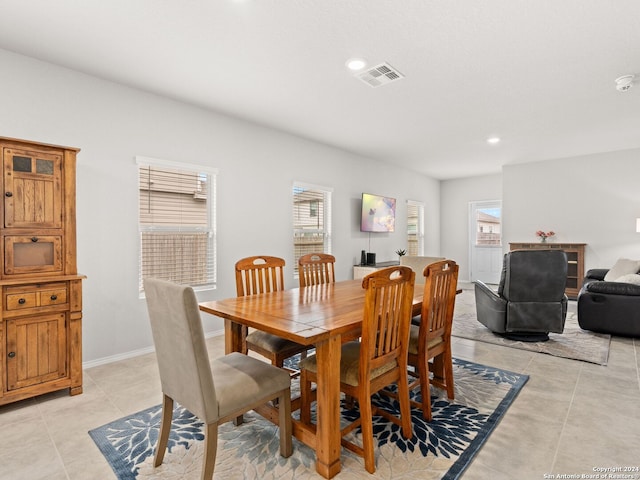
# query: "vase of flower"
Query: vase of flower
544,235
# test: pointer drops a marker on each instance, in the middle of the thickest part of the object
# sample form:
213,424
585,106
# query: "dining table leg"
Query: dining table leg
235,335
328,407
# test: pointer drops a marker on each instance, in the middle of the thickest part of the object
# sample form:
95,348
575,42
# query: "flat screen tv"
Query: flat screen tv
378,213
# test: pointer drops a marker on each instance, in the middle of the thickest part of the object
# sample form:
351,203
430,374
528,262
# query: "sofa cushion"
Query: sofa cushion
623,266
633,278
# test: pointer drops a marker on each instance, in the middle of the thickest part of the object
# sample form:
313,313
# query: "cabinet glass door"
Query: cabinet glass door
32,189
32,254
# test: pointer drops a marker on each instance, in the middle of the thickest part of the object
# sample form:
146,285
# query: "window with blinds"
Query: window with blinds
176,218
311,221
415,228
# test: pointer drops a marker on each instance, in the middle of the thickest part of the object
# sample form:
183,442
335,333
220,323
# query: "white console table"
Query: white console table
361,271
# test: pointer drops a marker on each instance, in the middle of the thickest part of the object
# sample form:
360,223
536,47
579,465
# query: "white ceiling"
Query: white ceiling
538,73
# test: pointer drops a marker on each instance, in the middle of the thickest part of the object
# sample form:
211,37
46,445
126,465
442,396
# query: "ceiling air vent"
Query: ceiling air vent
380,75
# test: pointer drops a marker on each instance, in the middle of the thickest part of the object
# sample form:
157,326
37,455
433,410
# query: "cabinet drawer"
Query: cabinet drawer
35,296
21,300
53,297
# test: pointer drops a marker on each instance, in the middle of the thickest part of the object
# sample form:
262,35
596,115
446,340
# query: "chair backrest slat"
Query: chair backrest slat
316,269
259,274
441,283
387,316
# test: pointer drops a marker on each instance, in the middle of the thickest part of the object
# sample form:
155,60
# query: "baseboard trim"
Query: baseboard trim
134,353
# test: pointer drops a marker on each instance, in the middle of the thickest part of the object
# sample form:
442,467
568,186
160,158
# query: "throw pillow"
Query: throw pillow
623,266
633,278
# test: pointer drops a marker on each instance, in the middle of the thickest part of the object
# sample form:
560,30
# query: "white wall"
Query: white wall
257,167
592,199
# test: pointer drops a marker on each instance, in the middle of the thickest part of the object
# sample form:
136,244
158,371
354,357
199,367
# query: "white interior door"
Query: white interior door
485,241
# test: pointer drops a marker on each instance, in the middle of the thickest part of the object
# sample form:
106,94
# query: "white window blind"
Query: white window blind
176,223
311,220
415,228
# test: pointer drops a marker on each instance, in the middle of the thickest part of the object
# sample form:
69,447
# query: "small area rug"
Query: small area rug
573,343
440,449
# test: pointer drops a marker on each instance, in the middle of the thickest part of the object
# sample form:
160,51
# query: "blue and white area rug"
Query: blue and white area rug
440,449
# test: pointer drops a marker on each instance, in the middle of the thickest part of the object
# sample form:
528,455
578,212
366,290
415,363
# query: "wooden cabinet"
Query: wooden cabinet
41,291
575,260
32,188
36,350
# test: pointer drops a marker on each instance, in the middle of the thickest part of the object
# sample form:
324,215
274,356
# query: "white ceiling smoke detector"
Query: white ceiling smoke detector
624,83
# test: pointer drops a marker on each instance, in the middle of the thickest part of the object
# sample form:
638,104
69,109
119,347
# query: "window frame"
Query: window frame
419,227
326,215
211,229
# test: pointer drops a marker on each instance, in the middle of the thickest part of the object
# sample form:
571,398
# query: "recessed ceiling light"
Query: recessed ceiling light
493,140
355,64
624,83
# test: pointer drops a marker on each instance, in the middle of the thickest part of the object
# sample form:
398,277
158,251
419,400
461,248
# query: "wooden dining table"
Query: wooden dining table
320,316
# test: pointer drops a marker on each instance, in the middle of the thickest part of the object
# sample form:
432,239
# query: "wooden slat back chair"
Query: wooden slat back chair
316,269
215,391
431,340
377,360
262,274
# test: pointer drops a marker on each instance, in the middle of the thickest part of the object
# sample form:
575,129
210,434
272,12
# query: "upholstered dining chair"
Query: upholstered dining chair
376,361
316,269
262,274
215,391
430,341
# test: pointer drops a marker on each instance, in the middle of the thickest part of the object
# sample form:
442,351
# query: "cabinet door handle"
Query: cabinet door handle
34,239
22,301
54,297
11,354
8,194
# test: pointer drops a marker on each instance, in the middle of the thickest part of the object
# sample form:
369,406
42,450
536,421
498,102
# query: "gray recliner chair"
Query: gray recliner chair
530,301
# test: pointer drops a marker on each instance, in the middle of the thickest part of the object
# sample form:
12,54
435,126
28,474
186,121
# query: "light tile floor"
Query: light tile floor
571,417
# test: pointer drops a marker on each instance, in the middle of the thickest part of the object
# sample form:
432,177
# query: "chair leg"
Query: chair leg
165,429
210,450
425,387
442,369
366,419
448,373
286,428
305,397
436,368
405,407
